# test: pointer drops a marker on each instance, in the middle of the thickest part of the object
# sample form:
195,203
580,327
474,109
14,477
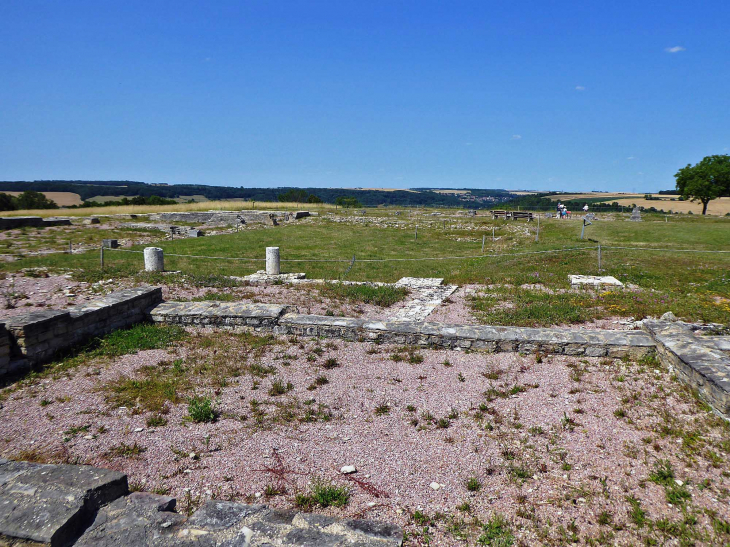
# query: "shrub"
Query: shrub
200,410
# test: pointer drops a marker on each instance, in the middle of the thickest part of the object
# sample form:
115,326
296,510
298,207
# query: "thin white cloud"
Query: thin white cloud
675,49
580,88
631,158
516,137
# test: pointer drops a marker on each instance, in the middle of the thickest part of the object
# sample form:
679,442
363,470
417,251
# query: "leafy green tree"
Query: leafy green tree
34,200
707,180
7,202
348,202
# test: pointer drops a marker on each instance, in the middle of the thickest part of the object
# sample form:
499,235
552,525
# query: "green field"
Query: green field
697,282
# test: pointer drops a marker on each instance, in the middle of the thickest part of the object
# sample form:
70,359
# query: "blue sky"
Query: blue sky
520,95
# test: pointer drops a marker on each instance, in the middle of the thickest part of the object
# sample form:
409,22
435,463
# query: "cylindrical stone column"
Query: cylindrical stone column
272,261
153,259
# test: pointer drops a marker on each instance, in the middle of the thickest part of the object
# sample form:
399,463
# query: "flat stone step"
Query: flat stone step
224,314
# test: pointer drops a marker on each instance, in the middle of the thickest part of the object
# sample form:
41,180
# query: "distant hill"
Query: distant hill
471,198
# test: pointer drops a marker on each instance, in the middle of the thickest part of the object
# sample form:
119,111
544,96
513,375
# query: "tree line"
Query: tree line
26,200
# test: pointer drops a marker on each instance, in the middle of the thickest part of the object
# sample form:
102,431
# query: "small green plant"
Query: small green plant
156,420
200,410
636,513
663,474
382,409
126,450
319,381
324,494
278,387
473,484
330,363
605,518
496,532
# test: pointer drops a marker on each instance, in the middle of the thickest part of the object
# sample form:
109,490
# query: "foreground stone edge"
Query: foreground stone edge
61,505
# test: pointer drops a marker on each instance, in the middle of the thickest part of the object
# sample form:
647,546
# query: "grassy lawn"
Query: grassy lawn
692,284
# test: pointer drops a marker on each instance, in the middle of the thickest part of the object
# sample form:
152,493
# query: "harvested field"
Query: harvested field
718,207
565,449
62,199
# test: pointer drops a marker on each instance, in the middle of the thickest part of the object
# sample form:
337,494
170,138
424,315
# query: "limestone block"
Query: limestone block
153,259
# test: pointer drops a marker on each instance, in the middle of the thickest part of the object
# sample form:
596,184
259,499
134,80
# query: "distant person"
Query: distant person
585,208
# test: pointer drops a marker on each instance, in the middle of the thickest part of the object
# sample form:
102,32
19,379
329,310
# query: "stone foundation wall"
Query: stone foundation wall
37,336
697,360
276,319
11,223
63,505
227,217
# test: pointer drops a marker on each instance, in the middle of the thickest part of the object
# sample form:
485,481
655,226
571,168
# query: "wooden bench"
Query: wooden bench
522,214
501,214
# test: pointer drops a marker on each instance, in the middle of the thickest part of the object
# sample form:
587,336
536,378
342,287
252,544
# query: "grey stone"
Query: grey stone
110,243
312,538
51,503
668,316
217,515
376,529
154,259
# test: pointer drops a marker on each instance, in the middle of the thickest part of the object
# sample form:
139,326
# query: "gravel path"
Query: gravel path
545,439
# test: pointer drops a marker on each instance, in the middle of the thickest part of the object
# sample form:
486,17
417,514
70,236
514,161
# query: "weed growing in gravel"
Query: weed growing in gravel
330,363
382,409
278,387
324,494
156,420
143,336
200,410
496,532
473,484
383,296
158,386
127,451
318,382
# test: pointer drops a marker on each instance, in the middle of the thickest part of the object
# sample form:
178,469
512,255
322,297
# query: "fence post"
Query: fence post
484,236
492,233
537,235
416,238
599,259
70,248
101,256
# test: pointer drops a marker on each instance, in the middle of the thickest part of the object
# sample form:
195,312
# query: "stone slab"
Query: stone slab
52,503
594,281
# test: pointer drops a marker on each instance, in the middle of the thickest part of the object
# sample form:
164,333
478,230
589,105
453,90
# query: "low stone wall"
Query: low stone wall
11,223
697,360
274,318
37,336
219,314
60,505
227,217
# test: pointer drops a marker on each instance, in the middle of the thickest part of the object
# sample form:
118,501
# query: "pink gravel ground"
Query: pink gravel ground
579,457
